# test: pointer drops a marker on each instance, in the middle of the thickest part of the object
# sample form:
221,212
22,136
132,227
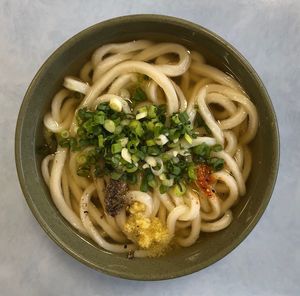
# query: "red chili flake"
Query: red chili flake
205,179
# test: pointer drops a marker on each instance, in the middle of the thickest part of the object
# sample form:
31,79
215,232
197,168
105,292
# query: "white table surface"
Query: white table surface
267,33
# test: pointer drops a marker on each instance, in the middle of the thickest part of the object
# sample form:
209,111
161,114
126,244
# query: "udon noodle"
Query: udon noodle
174,206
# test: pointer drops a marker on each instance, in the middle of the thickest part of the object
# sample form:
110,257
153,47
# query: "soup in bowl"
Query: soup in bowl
140,150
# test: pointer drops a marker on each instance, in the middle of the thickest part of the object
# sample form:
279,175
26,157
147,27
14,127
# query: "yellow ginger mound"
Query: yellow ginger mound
148,232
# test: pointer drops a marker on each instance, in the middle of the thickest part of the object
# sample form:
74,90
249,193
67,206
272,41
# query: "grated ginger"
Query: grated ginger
148,232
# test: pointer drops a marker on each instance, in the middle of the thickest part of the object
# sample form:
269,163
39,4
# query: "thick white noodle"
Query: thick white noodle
234,169
174,216
215,209
86,71
191,111
108,63
56,190
181,97
45,168
194,207
57,102
233,189
208,117
245,102
152,92
121,82
217,225
215,74
164,48
194,234
75,84
56,127
114,48
231,142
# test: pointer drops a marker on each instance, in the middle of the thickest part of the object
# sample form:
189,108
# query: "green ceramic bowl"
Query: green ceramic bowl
68,59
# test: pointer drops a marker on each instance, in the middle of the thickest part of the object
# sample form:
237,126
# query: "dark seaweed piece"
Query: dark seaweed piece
115,197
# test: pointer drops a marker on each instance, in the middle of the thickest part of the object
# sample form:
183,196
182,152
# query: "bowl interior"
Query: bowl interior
68,59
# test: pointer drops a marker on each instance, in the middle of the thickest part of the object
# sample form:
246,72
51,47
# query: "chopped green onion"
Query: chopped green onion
123,142
191,172
168,182
136,127
142,109
103,107
152,111
153,150
150,126
64,142
161,140
166,156
116,160
116,148
217,148
140,154
152,183
179,189
162,177
132,145
202,150
131,178
188,138
141,115
131,168
81,159
134,158
125,145
84,114
150,179
99,119
118,130
216,163
157,129
144,185
150,142
65,134
175,160
183,116
174,134
151,161
116,175
126,155
125,122
73,144
145,166
139,95
163,189
115,104
175,119
100,141
175,170
109,125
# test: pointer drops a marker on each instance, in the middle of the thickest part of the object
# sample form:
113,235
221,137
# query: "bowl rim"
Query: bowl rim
191,26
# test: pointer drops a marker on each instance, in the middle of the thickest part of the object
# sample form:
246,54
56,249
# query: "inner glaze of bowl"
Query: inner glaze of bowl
68,59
